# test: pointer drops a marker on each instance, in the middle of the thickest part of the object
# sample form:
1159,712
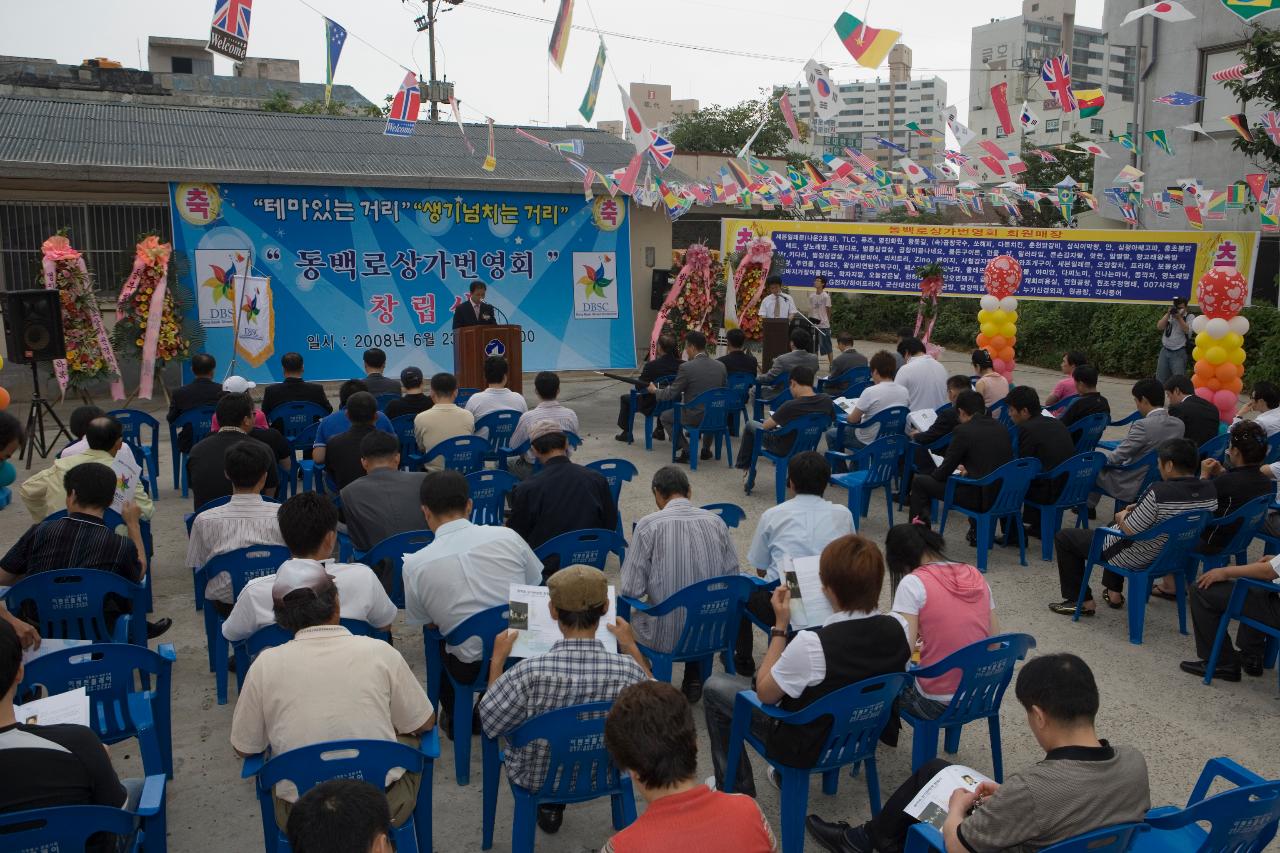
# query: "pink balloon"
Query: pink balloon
998,364
1205,393
1225,400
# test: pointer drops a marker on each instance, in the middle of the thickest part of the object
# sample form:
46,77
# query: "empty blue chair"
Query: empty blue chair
1014,479
891,421
1181,533
366,760
384,400
845,382
616,472
201,422
659,408
392,550
269,636
1118,838
986,668
1235,610
489,495
716,405
741,384
292,418
858,715
1241,819
312,472
783,386
732,514
1248,520
1080,471
70,827
134,423
462,453
484,626
807,430
712,611
410,458
579,769
873,467
117,712
464,396
69,605
1087,432
499,426
585,547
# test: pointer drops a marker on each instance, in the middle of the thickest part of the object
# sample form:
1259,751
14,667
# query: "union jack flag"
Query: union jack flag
232,16
1056,74
662,150
1271,124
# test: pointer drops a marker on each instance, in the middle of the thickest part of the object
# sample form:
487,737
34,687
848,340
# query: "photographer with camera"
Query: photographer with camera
1176,325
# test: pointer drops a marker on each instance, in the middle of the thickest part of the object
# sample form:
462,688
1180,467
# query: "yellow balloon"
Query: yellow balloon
1009,330
1237,355
984,316
990,329
1013,316
1197,354
1203,339
1233,341
1215,355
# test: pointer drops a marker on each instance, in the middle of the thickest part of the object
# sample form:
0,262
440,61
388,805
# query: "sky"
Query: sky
497,57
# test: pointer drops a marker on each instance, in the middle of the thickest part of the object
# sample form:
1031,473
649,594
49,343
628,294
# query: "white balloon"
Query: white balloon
1217,328
989,303
1239,324
1198,323
1009,303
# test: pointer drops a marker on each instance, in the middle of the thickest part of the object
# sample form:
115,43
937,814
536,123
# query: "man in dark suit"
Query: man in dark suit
798,356
948,420
474,311
699,373
979,445
1199,417
847,359
666,364
343,460
1043,438
293,389
737,359
1088,400
200,391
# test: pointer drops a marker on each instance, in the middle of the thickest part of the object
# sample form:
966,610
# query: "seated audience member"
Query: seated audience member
698,374
577,670
979,445
1177,491
42,492
670,549
293,389
414,399
338,422
650,735
1200,419
947,605
202,390
309,527
1209,598
903,334
206,465
804,401
737,359
666,363
1088,400
243,521
240,385
78,425
496,397
799,527
1154,427
384,501
948,419
1066,386
562,497
847,359
991,385
1264,400
341,816
855,643
11,436
1083,783
326,684
1043,438
547,385
375,362
342,459
467,568
444,420
922,375
884,393
797,356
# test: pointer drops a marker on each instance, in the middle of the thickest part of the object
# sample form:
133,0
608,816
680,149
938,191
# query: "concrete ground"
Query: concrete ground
1177,722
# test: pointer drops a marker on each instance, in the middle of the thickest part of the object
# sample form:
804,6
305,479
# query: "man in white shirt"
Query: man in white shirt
497,396
884,394
1265,400
921,374
309,526
820,314
799,527
466,569
245,520
776,305
547,384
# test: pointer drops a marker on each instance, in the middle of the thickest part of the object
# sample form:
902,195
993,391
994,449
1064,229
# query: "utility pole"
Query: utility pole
431,53
436,92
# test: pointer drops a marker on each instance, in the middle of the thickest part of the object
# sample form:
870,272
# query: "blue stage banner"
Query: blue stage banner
331,271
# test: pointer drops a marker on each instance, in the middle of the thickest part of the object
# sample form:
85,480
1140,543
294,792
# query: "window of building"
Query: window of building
1050,125
1035,7
181,65
1128,128
1218,100
1095,125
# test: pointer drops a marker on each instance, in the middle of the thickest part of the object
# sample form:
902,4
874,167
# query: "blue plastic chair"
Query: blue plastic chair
118,711
782,383
1081,472
1235,610
1126,420
1062,405
201,422
525,446
581,547
712,610
500,426
808,431
634,409
1241,819
313,476
243,565
1118,838
937,447
484,625
579,768
1273,449
1182,533
70,827
1014,479
891,421
392,550
716,405
1087,432
858,715
464,396
845,381
731,514
410,458
69,605
269,636
462,453
986,668
489,495
1250,517
873,467
295,417
114,521
134,422
1216,447
616,472
384,400
741,384
366,760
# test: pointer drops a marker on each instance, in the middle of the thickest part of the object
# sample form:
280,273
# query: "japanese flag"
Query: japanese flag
638,133
1167,10
913,170
1092,148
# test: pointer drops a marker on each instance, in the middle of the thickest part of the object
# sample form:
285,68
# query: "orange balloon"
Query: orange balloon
1226,372
1214,384
1240,371
999,342
1007,353
1204,369
1198,380
1235,386
1013,341
4,399
983,341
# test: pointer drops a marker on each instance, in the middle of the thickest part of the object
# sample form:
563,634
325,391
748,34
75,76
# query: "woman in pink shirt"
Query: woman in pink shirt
991,385
946,605
1066,386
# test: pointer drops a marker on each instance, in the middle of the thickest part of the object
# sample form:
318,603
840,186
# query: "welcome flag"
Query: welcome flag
588,106
560,33
867,45
1000,100
335,36
404,107
1090,101
788,114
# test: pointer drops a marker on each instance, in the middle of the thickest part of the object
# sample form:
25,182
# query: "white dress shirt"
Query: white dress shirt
803,664
360,596
800,527
874,400
1268,420
466,569
243,521
778,307
926,382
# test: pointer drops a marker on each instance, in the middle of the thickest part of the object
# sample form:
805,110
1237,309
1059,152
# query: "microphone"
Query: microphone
500,312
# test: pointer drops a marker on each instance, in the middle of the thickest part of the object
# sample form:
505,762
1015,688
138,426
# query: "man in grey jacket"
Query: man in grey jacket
1155,426
799,356
700,372
384,502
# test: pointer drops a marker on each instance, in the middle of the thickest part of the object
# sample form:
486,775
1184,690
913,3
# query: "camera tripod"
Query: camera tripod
35,440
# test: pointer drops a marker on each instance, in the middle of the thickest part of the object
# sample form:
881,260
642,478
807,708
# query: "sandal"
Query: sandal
1067,607
1114,605
1157,592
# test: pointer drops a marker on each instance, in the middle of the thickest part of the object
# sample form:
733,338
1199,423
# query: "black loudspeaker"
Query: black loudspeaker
33,326
661,284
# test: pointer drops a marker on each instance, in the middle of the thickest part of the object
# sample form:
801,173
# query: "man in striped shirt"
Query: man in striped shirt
547,384
672,548
1177,492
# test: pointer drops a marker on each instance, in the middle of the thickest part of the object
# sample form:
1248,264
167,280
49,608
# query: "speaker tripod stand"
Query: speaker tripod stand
35,421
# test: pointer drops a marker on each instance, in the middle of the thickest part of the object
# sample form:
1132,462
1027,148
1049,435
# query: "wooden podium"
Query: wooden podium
472,344
776,340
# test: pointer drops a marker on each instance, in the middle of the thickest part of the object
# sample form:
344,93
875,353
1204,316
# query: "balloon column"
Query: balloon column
1219,344
998,319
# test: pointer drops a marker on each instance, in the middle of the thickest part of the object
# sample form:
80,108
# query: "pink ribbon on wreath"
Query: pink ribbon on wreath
58,249
150,252
759,252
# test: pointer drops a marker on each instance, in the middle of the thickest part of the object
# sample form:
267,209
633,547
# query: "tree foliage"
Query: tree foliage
280,102
1260,53
725,130
1043,177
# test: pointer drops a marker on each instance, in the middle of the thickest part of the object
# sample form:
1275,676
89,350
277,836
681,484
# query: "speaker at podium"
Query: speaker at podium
473,344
